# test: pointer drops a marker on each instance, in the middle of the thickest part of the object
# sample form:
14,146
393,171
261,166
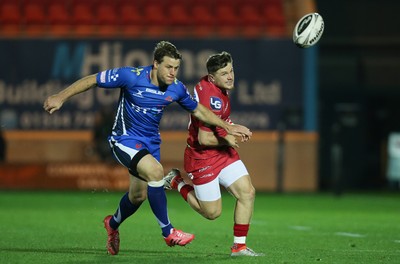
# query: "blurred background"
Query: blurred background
324,118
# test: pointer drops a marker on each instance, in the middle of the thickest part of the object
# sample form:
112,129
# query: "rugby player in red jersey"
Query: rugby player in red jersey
211,160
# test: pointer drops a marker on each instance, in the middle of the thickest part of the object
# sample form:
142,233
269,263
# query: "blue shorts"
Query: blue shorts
126,148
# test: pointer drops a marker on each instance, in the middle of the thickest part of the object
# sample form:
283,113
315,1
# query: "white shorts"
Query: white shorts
211,191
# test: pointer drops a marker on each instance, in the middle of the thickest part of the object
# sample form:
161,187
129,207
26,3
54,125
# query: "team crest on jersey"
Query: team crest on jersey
215,103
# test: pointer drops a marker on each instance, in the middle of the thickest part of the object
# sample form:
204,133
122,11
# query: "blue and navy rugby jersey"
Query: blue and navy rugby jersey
141,104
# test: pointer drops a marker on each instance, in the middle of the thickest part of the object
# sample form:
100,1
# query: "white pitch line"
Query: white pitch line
300,228
349,234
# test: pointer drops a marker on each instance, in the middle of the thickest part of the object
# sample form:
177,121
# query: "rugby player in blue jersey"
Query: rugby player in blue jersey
135,137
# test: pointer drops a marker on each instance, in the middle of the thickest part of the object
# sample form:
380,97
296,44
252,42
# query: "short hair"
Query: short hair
165,48
218,61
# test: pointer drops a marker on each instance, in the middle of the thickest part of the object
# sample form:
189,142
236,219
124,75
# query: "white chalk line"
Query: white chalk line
300,228
348,234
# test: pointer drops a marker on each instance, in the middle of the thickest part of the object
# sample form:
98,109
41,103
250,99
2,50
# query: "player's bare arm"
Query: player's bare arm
54,102
208,138
206,115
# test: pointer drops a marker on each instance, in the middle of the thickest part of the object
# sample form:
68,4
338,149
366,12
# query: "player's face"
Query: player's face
167,70
224,78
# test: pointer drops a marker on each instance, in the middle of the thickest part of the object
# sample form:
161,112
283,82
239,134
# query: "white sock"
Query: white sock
180,185
239,240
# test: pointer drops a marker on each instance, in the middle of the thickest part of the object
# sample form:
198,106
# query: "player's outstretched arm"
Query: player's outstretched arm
206,115
210,139
55,101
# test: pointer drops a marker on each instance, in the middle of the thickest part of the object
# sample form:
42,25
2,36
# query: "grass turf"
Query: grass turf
66,227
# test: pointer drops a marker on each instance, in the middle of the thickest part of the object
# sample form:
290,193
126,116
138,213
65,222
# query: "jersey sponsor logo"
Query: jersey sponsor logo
139,93
204,168
215,103
154,91
206,175
103,77
153,110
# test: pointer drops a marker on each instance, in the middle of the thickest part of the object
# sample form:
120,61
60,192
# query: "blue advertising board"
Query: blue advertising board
269,79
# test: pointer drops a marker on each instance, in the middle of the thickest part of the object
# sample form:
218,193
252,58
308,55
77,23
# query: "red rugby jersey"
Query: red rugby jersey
217,100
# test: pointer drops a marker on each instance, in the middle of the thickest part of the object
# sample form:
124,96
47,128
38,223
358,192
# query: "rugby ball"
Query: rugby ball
308,30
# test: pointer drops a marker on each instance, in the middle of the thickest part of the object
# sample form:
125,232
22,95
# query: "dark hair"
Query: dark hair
218,61
165,48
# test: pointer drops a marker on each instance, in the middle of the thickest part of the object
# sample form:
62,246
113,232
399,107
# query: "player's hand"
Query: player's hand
245,138
52,103
240,131
231,140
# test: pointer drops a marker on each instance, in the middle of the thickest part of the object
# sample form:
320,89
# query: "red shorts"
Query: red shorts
203,171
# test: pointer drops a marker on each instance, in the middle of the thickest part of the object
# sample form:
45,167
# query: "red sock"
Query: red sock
185,190
239,235
240,230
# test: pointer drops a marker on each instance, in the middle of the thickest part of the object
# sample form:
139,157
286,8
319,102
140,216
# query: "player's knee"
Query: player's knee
156,173
212,214
252,192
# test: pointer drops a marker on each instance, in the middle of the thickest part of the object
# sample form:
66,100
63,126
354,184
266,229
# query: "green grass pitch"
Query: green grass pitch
66,227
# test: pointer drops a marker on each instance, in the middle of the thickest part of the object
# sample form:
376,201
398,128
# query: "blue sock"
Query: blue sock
125,209
158,204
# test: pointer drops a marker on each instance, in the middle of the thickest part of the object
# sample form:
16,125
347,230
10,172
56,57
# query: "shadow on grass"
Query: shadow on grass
93,251
130,253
